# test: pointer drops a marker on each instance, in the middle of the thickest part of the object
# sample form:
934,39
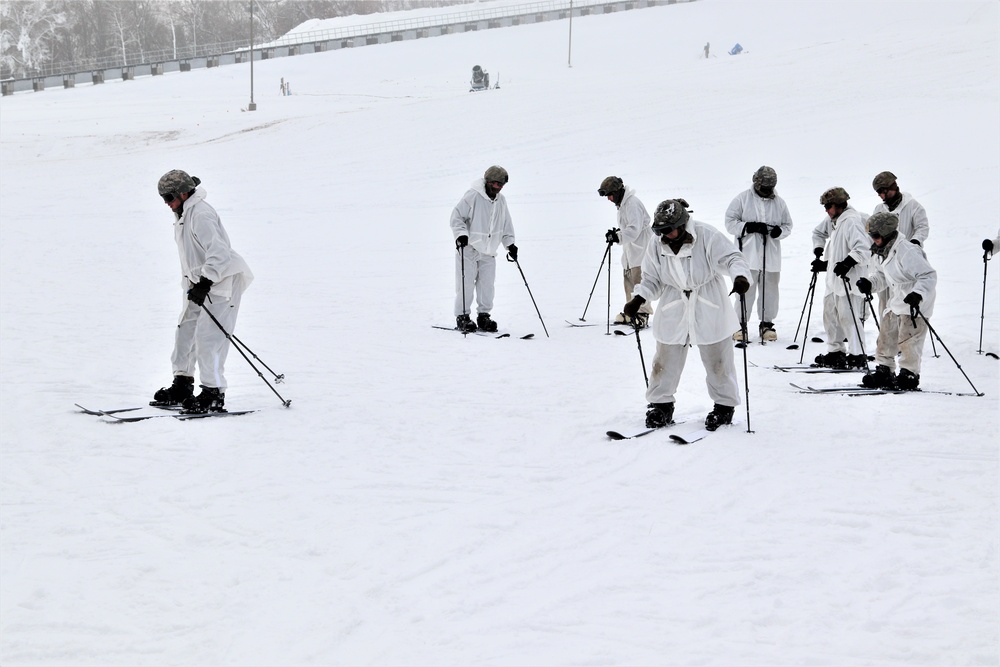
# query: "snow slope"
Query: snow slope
430,499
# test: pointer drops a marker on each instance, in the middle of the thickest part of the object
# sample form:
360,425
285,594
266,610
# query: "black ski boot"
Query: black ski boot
832,360
767,332
211,399
182,388
856,361
880,378
485,323
465,323
907,380
720,414
659,415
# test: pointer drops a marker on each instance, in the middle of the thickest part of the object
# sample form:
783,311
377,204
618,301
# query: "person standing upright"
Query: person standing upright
759,219
685,270
633,233
480,223
842,233
213,277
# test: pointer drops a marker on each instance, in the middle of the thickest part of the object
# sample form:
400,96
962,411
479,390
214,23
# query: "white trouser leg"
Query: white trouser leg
668,364
465,263
720,372
768,309
911,343
211,344
750,297
888,340
633,276
835,333
183,359
486,277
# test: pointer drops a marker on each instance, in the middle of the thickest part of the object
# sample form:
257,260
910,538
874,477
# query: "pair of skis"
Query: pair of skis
485,334
860,390
677,438
116,415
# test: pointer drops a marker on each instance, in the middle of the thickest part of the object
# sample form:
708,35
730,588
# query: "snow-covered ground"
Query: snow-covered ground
434,500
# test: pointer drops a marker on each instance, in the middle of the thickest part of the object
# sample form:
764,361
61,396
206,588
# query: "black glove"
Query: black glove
775,231
512,251
987,245
819,265
818,252
740,285
462,241
754,228
200,291
631,309
612,236
913,299
915,242
843,266
864,286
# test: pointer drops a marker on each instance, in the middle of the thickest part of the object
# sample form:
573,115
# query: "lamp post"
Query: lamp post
252,106
570,57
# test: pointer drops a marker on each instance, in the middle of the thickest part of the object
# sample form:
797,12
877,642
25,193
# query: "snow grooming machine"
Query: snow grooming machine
480,79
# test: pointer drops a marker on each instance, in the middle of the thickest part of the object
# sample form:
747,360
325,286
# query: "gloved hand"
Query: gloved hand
631,309
740,285
512,251
864,286
200,291
818,252
612,236
462,241
915,242
754,228
843,266
775,231
987,245
819,265
913,299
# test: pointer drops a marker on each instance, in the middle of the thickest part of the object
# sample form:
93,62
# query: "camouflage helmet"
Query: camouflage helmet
670,214
837,196
496,173
883,224
765,177
610,185
884,179
176,182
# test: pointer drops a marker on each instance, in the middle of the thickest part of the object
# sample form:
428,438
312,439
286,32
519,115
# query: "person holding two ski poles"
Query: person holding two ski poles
480,223
685,269
759,220
213,277
633,233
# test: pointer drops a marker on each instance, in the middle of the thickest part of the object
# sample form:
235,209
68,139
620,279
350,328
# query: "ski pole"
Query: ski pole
607,251
608,331
982,312
746,374
229,337
857,329
805,332
461,251
641,359
763,286
935,335
871,306
511,259
809,291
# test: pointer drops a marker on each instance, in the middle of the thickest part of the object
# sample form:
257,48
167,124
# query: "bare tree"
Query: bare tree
26,35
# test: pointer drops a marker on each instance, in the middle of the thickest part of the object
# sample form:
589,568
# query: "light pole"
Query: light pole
252,106
570,57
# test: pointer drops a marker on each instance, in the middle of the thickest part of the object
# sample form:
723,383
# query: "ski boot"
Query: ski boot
880,378
720,414
211,399
181,389
484,322
659,415
767,332
464,323
738,336
856,361
907,380
832,360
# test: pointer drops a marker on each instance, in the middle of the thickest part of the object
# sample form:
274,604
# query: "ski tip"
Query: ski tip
615,435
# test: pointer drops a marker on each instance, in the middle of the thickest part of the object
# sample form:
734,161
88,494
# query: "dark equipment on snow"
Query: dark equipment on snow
638,325
854,317
480,79
512,257
746,373
464,323
987,248
607,251
810,293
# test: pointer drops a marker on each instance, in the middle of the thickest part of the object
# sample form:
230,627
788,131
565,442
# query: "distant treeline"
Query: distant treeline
39,37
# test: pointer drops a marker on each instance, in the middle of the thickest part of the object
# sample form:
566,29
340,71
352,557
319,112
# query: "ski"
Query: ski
577,324
179,416
483,334
99,413
615,435
699,434
816,369
860,390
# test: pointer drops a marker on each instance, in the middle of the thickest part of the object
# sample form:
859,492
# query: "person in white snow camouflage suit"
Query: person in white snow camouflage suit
686,271
634,234
913,223
843,233
902,269
480,224
213,279
759,220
